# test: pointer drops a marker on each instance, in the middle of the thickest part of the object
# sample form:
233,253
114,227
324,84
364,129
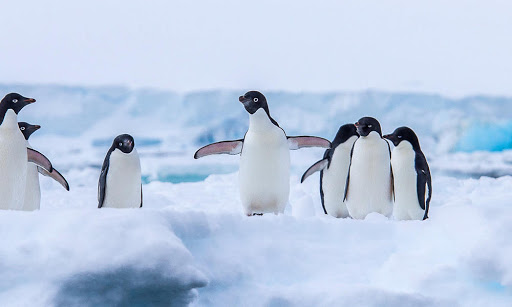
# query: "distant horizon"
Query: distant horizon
288,91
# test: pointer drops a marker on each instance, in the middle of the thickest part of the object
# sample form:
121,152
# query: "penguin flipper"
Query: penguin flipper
348,175
297,142
102,182
55,175
392,176
224,147
140,196
318,166
38,158
424,180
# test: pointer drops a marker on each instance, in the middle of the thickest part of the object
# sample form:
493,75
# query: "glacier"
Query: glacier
191,244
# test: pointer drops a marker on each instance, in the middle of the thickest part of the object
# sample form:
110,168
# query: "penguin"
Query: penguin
120,183
33,191
370,179
264,174
334,171
14,153
411,176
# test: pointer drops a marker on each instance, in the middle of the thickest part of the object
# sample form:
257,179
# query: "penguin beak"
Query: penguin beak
30,100
37,127
242,99
391,138
357,125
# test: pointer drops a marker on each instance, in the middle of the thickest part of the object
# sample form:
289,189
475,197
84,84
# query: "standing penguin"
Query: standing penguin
120,182
14,153
411,175
370,180
264,175
33,191
334,171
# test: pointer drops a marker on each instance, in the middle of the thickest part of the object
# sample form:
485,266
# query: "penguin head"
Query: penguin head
124,143
27,129
403,134
344,133
16,102
366,125
253,101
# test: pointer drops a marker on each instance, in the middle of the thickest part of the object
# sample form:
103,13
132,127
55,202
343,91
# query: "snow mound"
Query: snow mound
71,257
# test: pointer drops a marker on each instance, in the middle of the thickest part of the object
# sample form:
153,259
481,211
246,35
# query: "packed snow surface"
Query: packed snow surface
191,242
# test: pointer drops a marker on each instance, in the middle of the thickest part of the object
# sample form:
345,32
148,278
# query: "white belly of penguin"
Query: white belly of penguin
13,163
264,167
123,184
334,180
370,178
33,190
406,205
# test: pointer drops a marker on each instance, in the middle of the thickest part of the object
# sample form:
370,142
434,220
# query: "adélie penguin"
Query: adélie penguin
412,180
334,171
33,191
14,153
370,180
120,183
264,176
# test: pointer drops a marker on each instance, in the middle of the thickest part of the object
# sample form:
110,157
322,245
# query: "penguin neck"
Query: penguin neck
3,112
9,119
372,137
347,144
404,146
344,143
261,121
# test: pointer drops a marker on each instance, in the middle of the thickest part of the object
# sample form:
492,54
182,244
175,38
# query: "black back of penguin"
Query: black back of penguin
424,178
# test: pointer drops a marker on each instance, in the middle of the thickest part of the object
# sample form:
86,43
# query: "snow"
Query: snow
191,242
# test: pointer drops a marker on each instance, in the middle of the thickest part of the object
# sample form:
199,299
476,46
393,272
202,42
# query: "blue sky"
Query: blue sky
455,48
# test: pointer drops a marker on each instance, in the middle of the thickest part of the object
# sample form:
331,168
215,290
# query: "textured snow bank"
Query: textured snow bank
459,257
84,257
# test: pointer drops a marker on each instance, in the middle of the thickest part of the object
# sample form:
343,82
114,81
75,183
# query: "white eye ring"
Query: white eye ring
120,144
255,99
399,136
15,100
369,126
22,128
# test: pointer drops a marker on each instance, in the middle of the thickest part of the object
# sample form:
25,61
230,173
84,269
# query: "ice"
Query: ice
81,257
191,244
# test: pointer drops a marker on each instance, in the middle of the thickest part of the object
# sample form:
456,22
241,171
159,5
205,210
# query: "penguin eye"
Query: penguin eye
255,99
15,100
369,126
399,136
22,128
121,144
